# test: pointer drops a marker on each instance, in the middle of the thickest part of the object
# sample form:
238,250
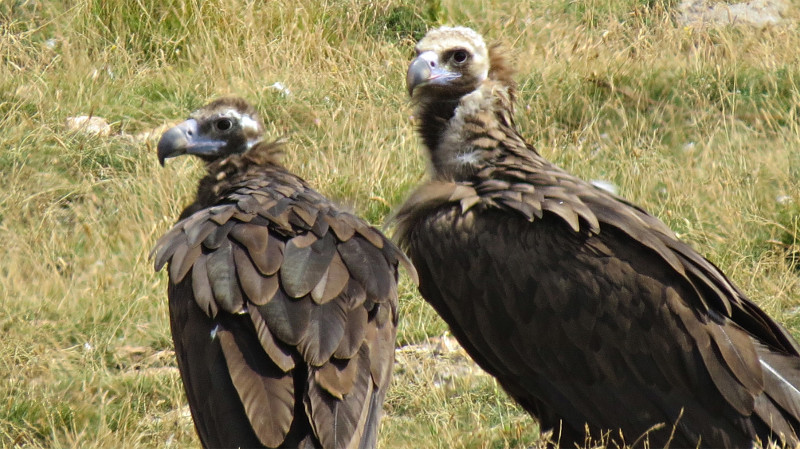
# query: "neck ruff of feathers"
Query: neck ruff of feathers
228,174
475,132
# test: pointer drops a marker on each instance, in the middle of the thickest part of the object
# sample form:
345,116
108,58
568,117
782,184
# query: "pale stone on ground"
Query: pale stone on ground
441,357
89,125
755,13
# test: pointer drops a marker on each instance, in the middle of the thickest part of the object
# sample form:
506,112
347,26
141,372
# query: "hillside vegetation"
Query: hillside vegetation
699,126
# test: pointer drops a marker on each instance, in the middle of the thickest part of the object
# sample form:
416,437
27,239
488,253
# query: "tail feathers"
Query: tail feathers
779,407
370,436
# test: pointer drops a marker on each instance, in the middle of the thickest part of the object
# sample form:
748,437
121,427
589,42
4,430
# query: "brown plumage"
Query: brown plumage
283,308
587,310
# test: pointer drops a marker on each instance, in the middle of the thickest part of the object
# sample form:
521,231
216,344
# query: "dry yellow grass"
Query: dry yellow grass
699,126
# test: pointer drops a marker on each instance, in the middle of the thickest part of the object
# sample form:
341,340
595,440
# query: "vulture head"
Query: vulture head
450,62
455,74
223,127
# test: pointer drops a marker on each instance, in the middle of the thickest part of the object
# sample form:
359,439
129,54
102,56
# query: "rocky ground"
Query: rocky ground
442,357
755,13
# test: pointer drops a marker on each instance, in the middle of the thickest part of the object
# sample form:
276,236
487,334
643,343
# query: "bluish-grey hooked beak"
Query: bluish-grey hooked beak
425,69
185,138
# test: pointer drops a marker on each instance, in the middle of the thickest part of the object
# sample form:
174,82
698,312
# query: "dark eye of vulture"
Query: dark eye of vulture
224,124
587,310
460,56
283,308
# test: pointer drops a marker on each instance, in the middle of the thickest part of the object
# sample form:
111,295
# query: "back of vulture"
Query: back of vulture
283,308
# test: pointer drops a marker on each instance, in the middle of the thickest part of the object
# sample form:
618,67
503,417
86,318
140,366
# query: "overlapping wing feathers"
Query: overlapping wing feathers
320,288
721,322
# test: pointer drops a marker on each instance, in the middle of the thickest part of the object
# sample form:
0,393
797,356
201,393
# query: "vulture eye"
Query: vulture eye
224,124
460,56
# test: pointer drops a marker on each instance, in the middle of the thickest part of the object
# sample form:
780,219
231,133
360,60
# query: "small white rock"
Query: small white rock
277,85
783,200
90,125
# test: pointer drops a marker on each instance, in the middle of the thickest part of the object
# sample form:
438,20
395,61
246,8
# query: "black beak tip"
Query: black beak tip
165,150
172,143
419,71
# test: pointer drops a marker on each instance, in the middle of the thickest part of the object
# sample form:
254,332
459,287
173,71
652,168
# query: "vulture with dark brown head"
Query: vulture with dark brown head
588,311
283,308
